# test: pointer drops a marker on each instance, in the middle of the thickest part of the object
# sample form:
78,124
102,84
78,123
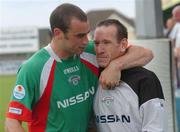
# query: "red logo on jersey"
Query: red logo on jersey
19,92
19,88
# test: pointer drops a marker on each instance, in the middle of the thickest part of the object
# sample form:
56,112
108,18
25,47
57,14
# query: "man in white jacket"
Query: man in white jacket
137,104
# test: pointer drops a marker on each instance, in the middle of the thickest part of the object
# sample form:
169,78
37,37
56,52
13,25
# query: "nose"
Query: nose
99,48
85,40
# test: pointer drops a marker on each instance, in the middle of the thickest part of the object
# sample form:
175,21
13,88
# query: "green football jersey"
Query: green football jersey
55,95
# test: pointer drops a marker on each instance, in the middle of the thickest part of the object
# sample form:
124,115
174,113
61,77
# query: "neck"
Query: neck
59,51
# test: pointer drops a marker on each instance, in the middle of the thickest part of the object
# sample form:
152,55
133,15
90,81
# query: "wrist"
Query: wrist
117,65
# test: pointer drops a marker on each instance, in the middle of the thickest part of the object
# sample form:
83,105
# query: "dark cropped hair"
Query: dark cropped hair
61,17
121,29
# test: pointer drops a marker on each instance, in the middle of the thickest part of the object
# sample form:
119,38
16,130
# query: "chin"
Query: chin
80,52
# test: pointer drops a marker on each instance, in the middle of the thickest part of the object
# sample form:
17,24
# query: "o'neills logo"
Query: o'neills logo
76,99
74,79
71,70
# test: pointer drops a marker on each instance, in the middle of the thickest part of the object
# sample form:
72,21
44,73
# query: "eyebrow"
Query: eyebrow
82,34
103,41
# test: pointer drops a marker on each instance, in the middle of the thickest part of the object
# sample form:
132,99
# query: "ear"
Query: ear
57,33
124,44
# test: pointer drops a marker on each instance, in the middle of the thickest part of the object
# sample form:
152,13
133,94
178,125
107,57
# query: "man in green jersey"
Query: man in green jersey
55,88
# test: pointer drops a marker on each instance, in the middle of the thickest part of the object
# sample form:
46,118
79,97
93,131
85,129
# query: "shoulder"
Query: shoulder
144,82
37,59
176,28
174,31
35,63
177,25
138,73
89,56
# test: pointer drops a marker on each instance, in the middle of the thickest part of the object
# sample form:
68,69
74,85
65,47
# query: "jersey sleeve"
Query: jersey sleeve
152,106
20,106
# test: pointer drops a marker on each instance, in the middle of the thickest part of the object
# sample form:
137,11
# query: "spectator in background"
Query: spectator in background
169,26
175,38
175,34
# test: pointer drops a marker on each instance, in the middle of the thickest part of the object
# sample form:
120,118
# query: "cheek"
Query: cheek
74,43
114,53
111,51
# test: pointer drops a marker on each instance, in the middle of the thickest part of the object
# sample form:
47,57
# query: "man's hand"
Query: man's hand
110,76
13,125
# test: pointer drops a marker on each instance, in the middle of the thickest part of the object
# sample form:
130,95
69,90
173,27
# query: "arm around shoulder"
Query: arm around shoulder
144,53
135,56
13,125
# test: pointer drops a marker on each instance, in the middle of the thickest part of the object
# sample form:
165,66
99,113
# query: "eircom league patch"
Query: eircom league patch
19,92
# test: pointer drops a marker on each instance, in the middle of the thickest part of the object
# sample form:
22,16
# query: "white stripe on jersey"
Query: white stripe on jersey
91,58
45,75
52,53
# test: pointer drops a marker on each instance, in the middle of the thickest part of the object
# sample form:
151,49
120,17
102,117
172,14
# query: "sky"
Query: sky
18,13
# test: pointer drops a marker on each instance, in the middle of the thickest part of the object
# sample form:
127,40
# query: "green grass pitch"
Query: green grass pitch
7,83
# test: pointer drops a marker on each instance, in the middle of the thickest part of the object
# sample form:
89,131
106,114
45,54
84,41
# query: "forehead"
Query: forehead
105,31
78,26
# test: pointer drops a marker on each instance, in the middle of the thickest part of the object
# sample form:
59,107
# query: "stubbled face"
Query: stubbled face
76,39
107,46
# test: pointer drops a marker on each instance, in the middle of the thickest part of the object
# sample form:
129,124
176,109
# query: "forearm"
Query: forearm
135,56
13,125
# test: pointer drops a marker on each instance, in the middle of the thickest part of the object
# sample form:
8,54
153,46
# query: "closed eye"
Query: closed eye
106,42
96,42
81,35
